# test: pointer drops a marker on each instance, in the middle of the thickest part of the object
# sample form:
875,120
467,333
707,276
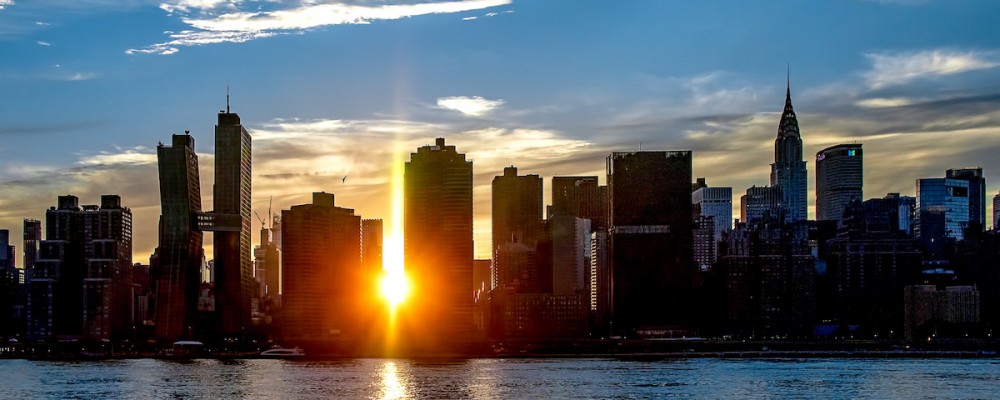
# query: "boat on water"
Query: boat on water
279,352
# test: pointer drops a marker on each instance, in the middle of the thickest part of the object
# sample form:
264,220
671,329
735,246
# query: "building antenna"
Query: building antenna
270,223
227,97
788,76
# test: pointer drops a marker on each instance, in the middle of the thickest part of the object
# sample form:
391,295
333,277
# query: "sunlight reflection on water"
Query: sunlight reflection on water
502,379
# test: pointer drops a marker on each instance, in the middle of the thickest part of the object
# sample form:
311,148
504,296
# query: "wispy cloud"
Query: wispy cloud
890,69
5,3
135,156
474,106
224,21
884,102
41,43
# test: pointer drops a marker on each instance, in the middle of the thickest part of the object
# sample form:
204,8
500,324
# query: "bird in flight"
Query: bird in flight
344,179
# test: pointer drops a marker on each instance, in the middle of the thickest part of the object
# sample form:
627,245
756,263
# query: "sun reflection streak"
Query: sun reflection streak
394,285
392,387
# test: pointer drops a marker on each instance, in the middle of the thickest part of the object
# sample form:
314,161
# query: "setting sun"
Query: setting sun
394,288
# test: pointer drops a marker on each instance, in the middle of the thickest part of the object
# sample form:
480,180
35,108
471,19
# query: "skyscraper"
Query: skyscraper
580,196
650,241
81,282
977,193
371,245
517,208
32,237
761,202
9,286
717,203
839,179
789,170
996,211
233,265
175,268
942,211
322,276
56,286
107,284
438,248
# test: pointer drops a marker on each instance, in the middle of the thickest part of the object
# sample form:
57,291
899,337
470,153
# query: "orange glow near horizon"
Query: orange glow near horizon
393,286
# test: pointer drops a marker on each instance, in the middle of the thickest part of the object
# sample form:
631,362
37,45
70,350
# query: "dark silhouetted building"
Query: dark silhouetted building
650,241
761,202
580,196
81,285
517,208
371,246
322,275
869,263
10,289
839,180
996,211
32,237
892,213
788,171
438,248
929,309
231,226
977,193
107,297
267,276
175,267
769,276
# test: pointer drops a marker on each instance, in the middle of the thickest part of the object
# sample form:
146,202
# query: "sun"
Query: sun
394,288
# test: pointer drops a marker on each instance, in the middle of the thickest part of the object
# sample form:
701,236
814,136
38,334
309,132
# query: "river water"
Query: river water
503,379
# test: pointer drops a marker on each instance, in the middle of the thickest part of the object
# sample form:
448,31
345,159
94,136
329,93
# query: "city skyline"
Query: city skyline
917,101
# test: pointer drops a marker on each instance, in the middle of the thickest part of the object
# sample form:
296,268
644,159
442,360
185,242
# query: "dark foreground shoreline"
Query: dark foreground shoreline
620,349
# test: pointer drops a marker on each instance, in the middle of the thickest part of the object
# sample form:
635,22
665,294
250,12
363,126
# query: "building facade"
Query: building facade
761,202
839,180
650,241
942,212
438,247
81,284
175,267
517,208
977,193
231,226
717,203
788,171
324,285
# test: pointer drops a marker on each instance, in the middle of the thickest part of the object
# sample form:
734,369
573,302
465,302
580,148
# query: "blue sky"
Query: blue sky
329,88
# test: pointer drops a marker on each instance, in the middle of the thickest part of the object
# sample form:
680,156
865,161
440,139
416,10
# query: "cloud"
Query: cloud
472,106
136,156
891,69
235,25
884,102
6,3
197,38
41,43
186,6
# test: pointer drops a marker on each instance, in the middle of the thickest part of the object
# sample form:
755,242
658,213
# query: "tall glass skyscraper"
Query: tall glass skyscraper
942,211
839,180
233,262
977,192
789,170
176,263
